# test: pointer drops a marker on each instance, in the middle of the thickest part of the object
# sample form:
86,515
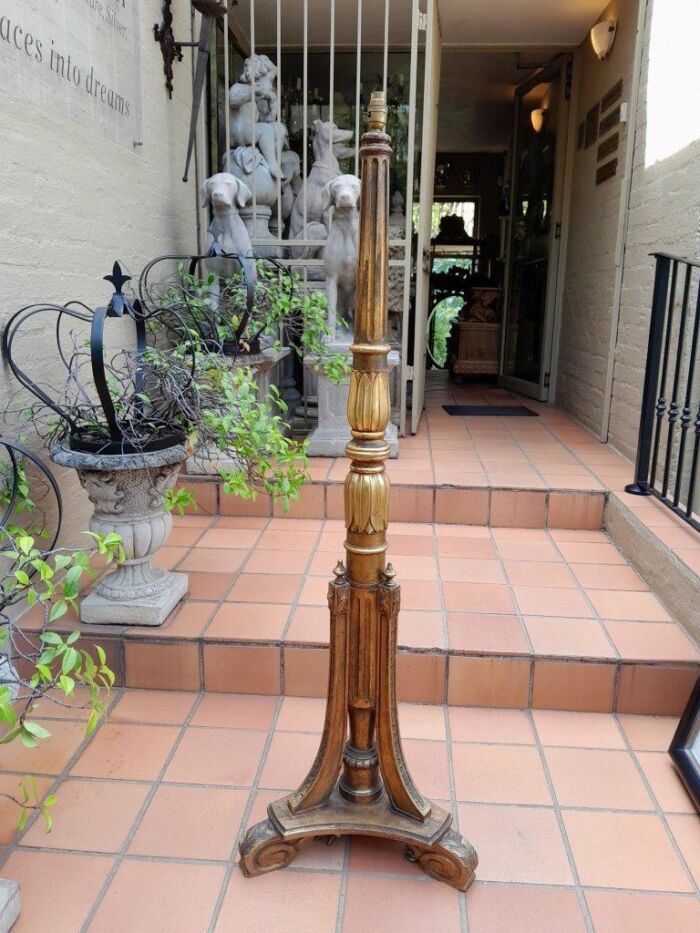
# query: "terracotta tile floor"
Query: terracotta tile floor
467,588
547,452
579,819
533,595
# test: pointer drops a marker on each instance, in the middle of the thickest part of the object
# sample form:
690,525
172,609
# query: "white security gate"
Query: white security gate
431,92
328,56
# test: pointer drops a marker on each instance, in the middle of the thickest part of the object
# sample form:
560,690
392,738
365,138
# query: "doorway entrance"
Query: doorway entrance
489,266
534,230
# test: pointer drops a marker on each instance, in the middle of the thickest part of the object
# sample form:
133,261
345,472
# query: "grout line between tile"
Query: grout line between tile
139,817
661,814
243,826
562,829
344,878
463,914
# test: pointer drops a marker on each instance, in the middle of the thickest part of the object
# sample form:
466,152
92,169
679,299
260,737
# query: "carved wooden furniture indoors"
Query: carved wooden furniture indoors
475,342
359,783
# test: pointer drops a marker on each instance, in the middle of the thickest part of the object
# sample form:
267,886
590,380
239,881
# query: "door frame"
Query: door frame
431,99
544,390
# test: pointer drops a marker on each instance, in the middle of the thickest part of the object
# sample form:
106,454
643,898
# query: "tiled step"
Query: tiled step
663,548
509,617
508,506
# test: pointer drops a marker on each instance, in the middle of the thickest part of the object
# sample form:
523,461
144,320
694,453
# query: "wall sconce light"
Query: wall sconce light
537,118
603,37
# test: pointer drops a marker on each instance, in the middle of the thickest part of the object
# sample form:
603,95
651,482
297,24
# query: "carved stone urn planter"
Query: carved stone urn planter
128,492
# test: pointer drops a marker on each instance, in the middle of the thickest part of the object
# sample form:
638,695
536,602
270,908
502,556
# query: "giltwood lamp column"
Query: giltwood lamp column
359,783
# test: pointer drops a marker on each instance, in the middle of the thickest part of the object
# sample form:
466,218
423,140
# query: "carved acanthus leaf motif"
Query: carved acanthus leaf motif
366,502
369,402
104,490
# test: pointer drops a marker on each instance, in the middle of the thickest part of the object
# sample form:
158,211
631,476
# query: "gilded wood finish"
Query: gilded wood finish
359,783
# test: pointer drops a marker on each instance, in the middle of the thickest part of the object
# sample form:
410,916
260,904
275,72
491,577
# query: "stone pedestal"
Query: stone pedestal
257,221
128,492
331,436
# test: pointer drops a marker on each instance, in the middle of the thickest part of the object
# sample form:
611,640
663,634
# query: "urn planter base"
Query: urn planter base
331,436
141,608
128,493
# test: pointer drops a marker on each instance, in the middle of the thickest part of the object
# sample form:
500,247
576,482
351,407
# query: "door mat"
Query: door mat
485,411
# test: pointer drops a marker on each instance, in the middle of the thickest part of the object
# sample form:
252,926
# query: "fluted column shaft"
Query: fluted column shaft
367,485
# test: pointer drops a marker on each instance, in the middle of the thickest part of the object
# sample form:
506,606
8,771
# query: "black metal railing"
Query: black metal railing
669,431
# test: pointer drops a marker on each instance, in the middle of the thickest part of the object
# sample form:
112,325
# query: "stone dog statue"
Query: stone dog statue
340,254
253,117
328,146
226,193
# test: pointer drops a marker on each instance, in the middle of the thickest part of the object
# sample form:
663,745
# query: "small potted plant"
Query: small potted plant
127,414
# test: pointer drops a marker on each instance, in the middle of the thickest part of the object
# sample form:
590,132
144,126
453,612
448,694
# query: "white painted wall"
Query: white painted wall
664,214
593,226
665,194
72,202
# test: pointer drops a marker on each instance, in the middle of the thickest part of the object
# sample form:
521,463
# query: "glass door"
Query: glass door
538,157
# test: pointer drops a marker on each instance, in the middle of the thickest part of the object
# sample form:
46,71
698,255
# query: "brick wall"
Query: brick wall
71,202
664,214
590,268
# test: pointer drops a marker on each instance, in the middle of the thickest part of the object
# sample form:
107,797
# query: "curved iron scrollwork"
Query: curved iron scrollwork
242,298
170,48
14,483
453,282
120,305
224,322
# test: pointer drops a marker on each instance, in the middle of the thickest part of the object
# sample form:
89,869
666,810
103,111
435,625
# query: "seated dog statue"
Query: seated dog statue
226,193
340,255
329,146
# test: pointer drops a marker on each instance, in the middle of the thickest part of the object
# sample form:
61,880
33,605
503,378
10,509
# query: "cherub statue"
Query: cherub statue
253,115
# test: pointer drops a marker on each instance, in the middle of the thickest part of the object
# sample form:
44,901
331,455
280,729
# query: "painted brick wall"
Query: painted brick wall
664,215
590,267
71,202
664,212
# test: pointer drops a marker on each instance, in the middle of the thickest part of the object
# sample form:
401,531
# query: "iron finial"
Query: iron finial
118,278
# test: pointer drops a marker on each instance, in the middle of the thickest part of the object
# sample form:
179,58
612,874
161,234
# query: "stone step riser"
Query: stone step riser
470,505
422,676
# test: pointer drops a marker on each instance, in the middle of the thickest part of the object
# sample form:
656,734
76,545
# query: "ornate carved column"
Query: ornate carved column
359,783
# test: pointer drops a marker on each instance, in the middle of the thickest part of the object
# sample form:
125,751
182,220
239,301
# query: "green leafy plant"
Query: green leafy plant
51,664
178,500
228,422
214,310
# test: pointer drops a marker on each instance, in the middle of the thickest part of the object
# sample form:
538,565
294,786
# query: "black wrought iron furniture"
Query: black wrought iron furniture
685,745
668,449
204,319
